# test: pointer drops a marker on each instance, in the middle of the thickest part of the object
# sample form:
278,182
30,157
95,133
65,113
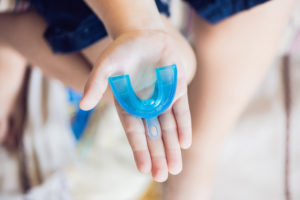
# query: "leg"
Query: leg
26,36
25,39
12,68
233,57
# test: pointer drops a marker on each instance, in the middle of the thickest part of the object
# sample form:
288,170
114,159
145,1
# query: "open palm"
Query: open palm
138,53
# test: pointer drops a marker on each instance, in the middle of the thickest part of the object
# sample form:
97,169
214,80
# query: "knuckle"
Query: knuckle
133,130
169,128
132,125
184,117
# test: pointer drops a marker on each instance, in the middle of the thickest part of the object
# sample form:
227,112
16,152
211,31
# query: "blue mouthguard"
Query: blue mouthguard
149,109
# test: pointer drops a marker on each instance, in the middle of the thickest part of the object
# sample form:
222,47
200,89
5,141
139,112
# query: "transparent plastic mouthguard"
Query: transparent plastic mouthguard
149,109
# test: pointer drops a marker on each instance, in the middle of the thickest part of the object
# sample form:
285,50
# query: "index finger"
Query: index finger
135,132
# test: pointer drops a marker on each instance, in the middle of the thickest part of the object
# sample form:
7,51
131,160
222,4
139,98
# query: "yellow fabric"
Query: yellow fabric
153,192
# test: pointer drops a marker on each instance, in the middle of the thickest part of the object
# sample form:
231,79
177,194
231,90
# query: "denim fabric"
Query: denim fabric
216,10
73,26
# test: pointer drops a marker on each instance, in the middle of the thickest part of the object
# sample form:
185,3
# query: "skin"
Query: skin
244,45
18,50
158,156
160,47
8,96
33,47
212,84
161,155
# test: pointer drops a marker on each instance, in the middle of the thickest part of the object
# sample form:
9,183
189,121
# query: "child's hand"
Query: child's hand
137,53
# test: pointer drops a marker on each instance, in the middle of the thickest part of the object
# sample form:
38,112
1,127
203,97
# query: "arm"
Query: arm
121,16
143,41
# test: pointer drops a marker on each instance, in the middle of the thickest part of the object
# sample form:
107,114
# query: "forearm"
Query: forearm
121,16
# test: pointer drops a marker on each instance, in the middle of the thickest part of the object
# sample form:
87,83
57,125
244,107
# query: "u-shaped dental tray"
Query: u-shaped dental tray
149,109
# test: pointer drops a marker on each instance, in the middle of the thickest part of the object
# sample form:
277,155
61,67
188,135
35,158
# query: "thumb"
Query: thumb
95,87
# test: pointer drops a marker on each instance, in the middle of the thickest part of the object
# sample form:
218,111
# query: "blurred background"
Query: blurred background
67,153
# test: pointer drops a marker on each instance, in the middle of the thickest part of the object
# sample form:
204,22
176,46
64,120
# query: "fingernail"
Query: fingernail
86,104
185,144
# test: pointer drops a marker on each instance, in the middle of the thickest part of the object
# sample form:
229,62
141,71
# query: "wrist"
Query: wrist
137,26
121,16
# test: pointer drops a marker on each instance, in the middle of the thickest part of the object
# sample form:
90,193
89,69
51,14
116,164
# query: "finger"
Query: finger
110,58
96,86
135,133
171,143
182,115
158,157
